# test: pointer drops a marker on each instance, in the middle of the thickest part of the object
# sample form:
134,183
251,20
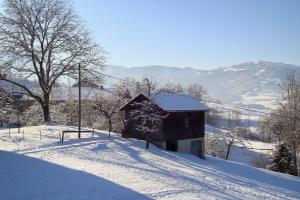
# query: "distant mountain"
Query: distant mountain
253,84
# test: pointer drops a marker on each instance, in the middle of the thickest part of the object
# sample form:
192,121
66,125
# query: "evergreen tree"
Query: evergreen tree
283,161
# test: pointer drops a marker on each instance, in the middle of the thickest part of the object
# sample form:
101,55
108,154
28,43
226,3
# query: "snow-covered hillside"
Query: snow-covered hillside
118,168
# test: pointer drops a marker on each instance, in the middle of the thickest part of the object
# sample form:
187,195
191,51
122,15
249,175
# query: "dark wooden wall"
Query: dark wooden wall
175,126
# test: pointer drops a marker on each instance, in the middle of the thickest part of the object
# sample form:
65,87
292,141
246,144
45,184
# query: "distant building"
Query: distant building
60,92
87,83
183,130
14,91
89,91
72,93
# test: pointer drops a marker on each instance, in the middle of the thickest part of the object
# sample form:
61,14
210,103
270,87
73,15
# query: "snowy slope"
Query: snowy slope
118,168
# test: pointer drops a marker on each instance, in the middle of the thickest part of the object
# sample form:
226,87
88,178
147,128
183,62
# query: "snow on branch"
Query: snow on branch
148,117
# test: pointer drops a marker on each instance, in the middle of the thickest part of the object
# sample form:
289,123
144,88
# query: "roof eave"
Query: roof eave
206,110
122,108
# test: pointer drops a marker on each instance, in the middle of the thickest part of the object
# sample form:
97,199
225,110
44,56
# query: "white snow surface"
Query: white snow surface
177,102
117,168
234,69
260,71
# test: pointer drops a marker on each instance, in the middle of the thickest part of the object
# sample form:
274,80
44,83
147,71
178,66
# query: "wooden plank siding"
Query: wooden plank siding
174,127
131,131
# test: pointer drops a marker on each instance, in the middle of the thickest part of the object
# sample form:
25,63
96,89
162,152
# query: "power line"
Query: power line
237,107
124,80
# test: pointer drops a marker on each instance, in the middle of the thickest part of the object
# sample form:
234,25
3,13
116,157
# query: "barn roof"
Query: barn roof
173,102
177,102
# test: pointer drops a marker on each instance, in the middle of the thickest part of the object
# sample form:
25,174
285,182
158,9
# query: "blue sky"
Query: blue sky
203,34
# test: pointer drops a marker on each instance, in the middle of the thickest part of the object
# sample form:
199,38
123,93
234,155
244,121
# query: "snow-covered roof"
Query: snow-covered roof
16,91
8,87
177,102
172,102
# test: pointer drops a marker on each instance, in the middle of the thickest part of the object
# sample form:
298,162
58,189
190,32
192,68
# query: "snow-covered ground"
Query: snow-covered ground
265,98
118,168
249,151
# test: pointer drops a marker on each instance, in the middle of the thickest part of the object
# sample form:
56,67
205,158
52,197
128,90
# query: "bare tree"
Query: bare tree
5,106
148,118
234,131
173,88
108,107
149,86
284,122
196,91
9,108
215,144
127,89
275,125
45,40
66,112
147,115
4,97
33,114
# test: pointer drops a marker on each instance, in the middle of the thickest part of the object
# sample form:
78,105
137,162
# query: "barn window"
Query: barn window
187,122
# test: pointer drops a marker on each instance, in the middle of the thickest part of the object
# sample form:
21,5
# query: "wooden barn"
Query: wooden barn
183,129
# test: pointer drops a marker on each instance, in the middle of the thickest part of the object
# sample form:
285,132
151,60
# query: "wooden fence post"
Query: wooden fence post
9,132
23,134
62,138
93,133
40,134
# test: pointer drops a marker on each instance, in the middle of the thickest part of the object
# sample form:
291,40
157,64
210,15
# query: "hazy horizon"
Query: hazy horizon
200,67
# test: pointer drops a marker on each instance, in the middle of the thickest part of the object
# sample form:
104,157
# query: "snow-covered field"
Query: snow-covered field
118,168
247,151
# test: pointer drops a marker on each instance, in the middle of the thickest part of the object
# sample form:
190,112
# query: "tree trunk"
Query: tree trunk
46,108
228,151
295,157
46,112
110,127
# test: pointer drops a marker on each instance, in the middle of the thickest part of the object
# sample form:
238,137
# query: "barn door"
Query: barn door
172,146
197,148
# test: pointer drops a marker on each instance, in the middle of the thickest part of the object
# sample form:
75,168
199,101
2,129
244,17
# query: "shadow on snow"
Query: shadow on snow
24,177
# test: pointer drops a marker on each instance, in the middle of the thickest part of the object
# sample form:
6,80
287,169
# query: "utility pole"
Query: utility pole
18,123
11,101
79,101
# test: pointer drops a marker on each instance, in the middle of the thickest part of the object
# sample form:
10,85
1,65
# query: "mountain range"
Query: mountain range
252,84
